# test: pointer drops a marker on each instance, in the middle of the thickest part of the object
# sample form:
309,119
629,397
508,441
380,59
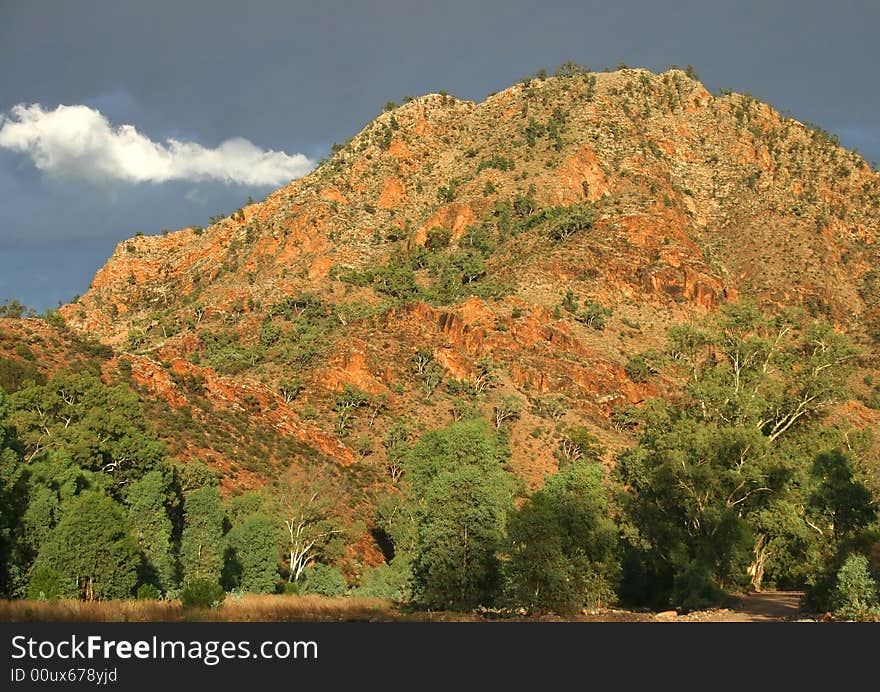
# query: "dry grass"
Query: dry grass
248,608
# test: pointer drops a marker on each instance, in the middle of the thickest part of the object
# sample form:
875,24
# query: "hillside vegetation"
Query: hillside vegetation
603,337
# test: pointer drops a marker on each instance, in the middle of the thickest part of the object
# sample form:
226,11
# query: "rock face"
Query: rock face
281,310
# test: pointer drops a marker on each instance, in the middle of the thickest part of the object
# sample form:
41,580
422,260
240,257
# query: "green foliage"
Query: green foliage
551,406
577,443
856,593
720,482
90,551
45,583
254,554
147,592
24,351
839,502
15,374
13,309
563,553
459,496
323,580
152,528
346,405
305,514
438,238
397,280
202,593
480,238
637,368
201,544
100,427
289,588
447,193
571,69
594,314
391,581
497,162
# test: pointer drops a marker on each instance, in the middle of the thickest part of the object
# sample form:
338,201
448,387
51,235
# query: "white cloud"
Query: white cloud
79,142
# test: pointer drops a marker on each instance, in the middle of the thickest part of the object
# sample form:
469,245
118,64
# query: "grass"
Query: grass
247,608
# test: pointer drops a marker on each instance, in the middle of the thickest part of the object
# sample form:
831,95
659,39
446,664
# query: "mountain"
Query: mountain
525,256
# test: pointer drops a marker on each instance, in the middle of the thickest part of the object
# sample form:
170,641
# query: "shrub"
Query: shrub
497,162
323,580
855,595
566,221
594,314
24,351
637,369
290,588
386,581
202,593
147,592
45,584
438,238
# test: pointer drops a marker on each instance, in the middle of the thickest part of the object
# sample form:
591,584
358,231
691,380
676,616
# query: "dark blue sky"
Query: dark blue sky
295,77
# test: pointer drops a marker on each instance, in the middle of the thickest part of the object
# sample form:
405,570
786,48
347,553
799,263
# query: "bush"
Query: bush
594,315
148,592
438,238
637,369
202,593
695,589
289,588
566,221
855,595
323,580
45,584
386,581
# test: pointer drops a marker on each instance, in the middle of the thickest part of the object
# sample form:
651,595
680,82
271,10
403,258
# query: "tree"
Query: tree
395,443
13,502
303,513
290,389
90,552
101,428
565,222
347,403
637,369
201,543
484,375
152,528
692,488
255,552
716,483
437,239
594,315
839,504
578,443
507,408
460,497
391,581
552,406
563,544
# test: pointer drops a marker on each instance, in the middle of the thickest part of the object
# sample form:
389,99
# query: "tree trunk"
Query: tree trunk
756,569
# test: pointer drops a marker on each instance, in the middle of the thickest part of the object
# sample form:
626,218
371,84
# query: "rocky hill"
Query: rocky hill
524,256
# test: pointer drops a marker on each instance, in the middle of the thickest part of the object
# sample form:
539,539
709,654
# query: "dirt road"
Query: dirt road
769,606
